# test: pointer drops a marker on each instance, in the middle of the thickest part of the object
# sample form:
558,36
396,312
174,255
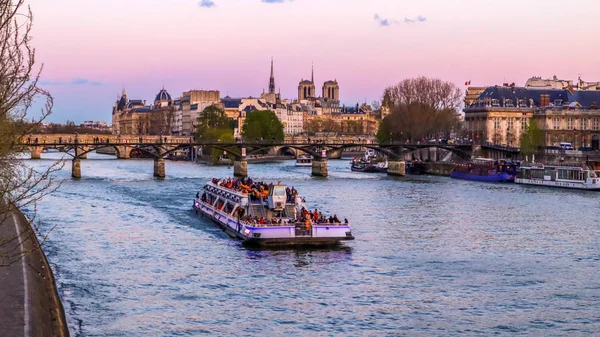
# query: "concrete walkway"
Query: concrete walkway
29,302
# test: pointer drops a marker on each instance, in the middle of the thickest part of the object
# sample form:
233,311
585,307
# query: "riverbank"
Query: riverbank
30,303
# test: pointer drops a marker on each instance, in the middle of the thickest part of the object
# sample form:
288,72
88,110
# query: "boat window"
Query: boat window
537,174
228,208
279,191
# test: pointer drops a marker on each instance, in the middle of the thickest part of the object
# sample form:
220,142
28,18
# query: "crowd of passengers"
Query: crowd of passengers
306,217
255,190
318,217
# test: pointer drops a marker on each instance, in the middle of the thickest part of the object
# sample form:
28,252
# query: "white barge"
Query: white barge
567,176
267,215
304,160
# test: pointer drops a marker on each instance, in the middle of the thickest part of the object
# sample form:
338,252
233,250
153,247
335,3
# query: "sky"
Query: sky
93,49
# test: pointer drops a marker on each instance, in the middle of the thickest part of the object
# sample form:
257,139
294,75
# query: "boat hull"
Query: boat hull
560,184
492,177
368,169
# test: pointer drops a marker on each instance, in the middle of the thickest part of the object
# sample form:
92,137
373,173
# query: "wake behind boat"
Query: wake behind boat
262,214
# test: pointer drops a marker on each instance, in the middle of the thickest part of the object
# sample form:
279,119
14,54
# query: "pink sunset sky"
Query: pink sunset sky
92,49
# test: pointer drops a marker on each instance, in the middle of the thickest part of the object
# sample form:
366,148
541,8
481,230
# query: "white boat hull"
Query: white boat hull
580,185
319,235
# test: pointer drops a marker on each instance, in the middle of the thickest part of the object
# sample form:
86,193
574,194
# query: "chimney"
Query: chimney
544,100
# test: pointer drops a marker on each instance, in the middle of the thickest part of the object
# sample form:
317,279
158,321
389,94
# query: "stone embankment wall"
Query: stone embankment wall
438,169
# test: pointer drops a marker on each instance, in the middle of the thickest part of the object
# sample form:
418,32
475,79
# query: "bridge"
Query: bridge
160,147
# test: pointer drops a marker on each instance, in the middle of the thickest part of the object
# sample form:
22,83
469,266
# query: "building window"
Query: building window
524,124
556,122
509,103
584,125
569,123
496,123
511,123
495,102
558,102
595,123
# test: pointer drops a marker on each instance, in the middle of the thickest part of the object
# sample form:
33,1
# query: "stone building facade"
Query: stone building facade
501,114
134,117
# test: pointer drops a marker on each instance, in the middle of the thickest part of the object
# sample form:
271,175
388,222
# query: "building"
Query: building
472,94
331,90
306,88
96,125
501,115
192,103
558,84
134,117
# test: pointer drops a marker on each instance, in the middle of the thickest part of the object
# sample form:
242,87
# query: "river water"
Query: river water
432,256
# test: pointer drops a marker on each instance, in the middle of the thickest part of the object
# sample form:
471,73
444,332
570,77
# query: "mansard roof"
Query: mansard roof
586,98
141,110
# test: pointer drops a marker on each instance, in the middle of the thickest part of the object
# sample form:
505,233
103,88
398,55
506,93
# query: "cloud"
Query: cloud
274,1
388,22
382,22
418,19
206,3
75,81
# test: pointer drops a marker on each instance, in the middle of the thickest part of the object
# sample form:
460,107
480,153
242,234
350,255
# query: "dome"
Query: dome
163,96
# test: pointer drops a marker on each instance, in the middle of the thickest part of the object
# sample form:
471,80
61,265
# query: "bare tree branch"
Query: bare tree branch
20,185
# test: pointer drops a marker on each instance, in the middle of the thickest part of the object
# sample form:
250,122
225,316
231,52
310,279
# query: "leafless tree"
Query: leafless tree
330,125
20,185
420,108
161,121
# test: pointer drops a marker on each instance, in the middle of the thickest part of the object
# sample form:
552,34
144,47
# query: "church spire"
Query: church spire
272,80
312,73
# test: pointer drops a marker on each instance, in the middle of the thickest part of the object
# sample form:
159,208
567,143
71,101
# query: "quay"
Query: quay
30,305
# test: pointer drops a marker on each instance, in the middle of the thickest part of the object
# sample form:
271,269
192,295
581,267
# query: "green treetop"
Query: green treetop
213,125
262,125
531,139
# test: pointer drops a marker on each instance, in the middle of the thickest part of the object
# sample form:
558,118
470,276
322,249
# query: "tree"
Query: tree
262,125
213,125
420,108
330,125
312,126
161,121
531,139
20,185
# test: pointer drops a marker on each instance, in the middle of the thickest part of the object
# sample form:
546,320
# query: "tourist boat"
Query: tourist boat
266,215
484,169
304,160
565,175
361,165
369,163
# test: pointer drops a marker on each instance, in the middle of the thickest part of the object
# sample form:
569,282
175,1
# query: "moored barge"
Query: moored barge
267,215
576,176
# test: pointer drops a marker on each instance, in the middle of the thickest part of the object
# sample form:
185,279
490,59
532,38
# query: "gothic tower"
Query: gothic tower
272,80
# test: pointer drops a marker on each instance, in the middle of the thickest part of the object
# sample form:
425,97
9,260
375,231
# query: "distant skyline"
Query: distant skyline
92,49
